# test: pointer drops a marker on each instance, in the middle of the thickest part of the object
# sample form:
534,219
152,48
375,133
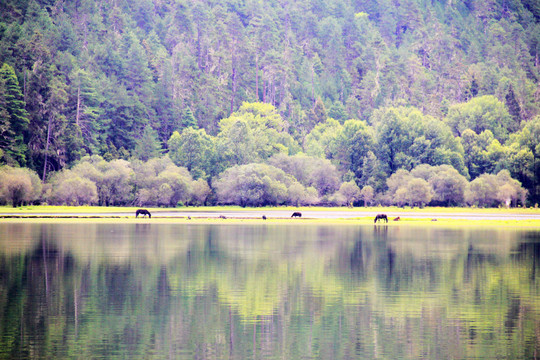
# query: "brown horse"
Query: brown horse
296,214
381,217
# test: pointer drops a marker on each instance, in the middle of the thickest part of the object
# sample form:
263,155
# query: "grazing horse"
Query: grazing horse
222,217
397,219
143,212
264,217
381,217
296,214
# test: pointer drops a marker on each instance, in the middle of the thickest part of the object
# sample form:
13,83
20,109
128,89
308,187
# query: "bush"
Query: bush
18,186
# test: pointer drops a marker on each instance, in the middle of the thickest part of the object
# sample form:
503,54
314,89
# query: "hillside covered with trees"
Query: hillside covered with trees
251,102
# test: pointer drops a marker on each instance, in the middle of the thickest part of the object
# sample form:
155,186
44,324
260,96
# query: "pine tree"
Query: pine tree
317,115
14,106
188,120
513,106
337,112
148,146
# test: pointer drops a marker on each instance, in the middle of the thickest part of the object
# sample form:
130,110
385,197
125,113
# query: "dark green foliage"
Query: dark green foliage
513,105
188,120
147,146
14,121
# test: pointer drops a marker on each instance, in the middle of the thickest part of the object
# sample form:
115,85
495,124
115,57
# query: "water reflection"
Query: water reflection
267,291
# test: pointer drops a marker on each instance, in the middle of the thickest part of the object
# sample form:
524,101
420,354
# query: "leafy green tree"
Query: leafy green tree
195,150
254,133
480,114
352,145
372,172
408,138
321,141
527,157
394,140
473,146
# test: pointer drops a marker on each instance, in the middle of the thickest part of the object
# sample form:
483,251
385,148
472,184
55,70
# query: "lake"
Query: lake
94,290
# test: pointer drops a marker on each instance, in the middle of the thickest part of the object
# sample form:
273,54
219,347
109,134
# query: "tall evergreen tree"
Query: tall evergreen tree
188,120
513,105
16,123
148,145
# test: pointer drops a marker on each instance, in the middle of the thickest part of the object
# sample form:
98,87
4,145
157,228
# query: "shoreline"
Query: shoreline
251,221
517,217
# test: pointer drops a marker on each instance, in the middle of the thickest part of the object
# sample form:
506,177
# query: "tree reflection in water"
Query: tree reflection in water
250,291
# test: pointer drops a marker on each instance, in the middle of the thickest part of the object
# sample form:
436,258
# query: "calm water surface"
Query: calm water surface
173,291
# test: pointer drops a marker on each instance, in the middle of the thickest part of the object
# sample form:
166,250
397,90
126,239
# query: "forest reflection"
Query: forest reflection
267,291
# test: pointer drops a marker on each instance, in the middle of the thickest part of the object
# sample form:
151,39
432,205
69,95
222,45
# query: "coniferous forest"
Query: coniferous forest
251,102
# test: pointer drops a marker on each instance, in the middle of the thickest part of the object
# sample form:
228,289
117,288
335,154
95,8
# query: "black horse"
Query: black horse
296,214
143,212
381,217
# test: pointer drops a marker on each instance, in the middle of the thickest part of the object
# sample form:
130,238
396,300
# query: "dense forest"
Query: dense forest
251,102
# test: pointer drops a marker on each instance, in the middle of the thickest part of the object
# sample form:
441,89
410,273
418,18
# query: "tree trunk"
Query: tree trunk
47,149
77,117
233,88
257,77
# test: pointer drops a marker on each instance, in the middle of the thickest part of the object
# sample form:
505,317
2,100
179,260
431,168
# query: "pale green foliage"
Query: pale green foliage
113,179
489,190
350,191
70,189
253,185
161,183
367,194
309,171
418,192
441,184
482,191
18,186
448,185
510,190
200,192
298,195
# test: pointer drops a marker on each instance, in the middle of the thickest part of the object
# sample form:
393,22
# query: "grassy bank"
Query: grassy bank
89,214
391,209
